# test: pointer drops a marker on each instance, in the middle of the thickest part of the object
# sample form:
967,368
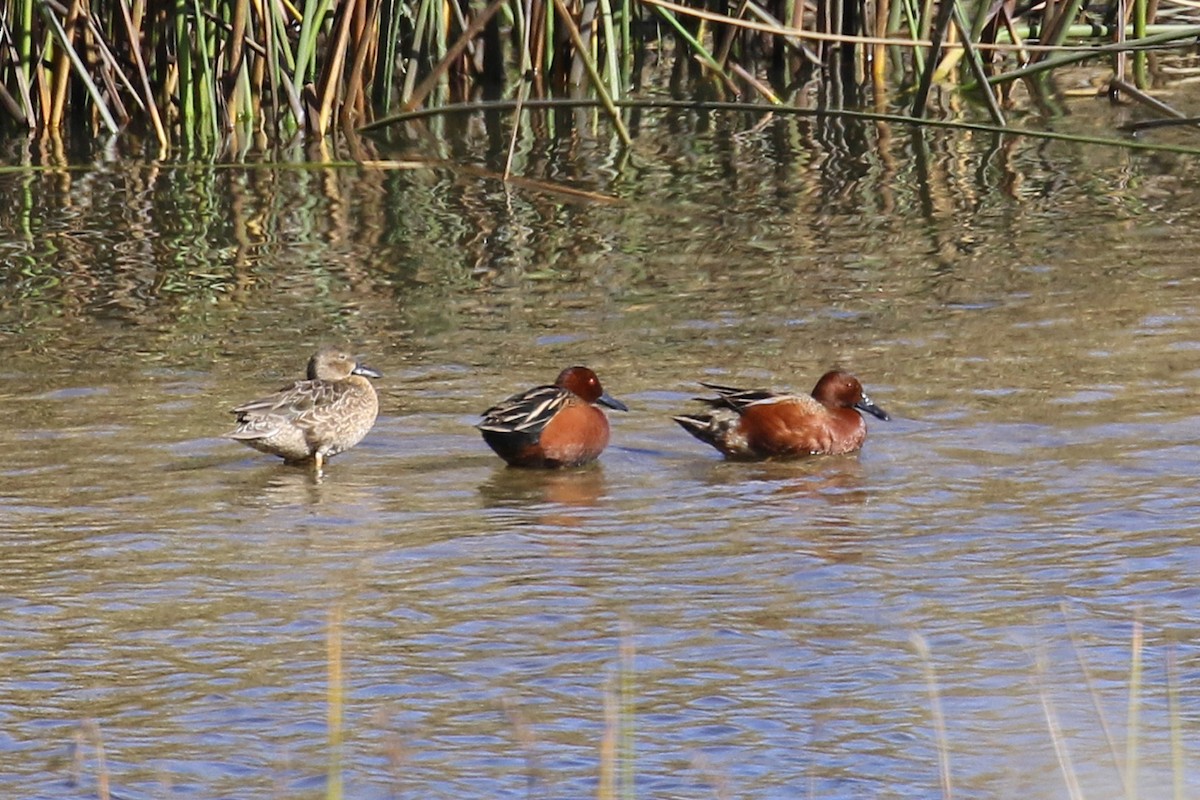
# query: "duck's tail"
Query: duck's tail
699,425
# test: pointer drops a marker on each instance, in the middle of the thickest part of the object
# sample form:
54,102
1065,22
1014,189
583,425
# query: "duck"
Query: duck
314,419
556,425
755,425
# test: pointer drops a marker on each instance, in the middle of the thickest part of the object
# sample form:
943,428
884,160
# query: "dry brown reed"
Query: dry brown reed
206,77
87,733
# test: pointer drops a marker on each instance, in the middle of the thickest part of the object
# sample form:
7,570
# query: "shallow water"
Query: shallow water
1027,313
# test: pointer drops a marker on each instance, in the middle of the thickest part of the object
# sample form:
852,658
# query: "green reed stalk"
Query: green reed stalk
925,19
460,45
25,49
21,111
186,82
384,88
243,107
699,49
597,83
271,62
976,65
331,72
438,32
920,22
610,50
281,70
206,88
520,24
1092,33
238,101
1139,31
915,22
135,52
279,22
1059,28
550,35
1175,34
424,14
80,70
627,41
940,27
310,29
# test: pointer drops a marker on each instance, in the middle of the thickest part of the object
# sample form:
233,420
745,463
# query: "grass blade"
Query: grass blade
79,69
334,703
590,66
935,709
1133,720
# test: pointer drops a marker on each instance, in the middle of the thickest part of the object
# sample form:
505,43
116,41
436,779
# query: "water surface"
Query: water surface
1026,311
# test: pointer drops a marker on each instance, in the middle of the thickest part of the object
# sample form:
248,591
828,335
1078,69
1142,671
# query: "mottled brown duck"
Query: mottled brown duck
314,419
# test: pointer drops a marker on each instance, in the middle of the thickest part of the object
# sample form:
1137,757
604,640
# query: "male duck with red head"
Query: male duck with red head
557,425
757,425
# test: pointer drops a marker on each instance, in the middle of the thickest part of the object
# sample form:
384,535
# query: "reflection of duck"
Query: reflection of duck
266,488
818,502
313,419
831,482
576,488
755,425
551,426
553,498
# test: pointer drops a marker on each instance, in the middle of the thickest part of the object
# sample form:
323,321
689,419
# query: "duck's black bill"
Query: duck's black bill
365,371
607,399
872,409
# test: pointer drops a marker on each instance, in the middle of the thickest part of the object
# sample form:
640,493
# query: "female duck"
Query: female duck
755,425
313,419
551,426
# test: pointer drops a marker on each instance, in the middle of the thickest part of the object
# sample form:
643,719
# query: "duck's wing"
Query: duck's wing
737,399
297,404
526,412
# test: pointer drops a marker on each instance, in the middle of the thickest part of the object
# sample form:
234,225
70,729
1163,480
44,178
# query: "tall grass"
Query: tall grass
200,75
615,761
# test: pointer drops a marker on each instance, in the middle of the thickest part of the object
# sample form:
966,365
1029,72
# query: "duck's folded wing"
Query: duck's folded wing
737,399
527,412
295,403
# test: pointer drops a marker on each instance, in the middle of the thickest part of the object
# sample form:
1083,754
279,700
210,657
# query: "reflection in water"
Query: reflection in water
509,487
275,484
1035,327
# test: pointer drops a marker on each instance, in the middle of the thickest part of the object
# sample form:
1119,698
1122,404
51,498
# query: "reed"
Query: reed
938,719
1133,718
335,703
209,77
616,750
89,732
